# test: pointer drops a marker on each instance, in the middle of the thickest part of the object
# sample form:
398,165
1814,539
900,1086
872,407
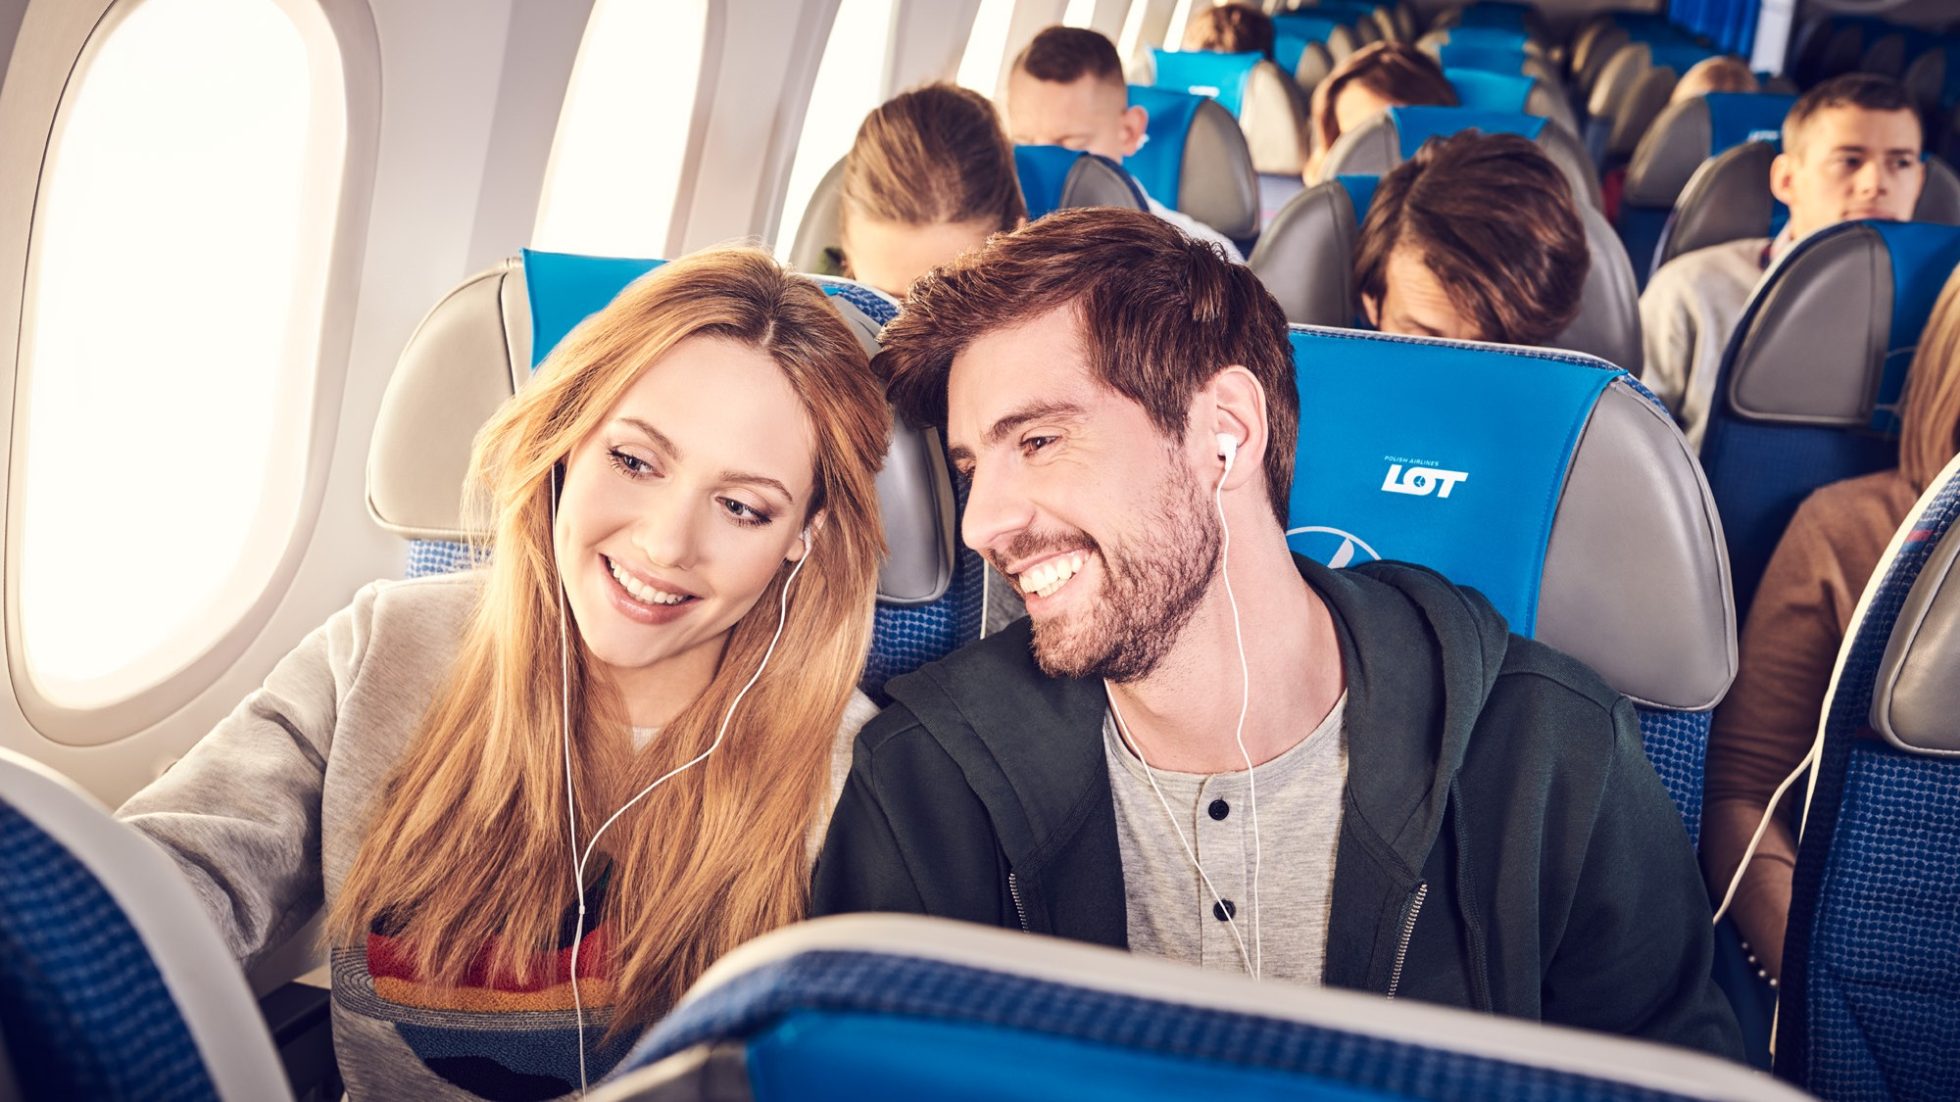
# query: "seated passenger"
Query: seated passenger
1117,395
1067,89
1236,28
1370,81
928,177
1713,74
1851,150
1790,642
1475,238
405,769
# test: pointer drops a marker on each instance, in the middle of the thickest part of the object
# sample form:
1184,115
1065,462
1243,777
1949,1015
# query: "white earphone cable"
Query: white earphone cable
1762,828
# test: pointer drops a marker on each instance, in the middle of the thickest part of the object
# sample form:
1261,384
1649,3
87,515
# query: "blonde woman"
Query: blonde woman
1796,624
434,766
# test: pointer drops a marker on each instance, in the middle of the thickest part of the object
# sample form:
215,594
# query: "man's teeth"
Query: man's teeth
643,593
1043,579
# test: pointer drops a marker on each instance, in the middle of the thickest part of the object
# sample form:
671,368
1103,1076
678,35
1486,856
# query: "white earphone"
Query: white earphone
579,861
1228,450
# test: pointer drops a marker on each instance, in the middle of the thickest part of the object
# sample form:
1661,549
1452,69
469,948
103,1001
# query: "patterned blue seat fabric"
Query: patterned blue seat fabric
1534,477
887,1007
1810,384
1871,966
78,991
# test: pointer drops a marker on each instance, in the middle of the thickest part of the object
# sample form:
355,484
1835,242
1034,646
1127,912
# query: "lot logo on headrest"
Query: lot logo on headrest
1419,479
1765,135
1331,546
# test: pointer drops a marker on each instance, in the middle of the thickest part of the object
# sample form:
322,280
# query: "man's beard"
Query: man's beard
1153,585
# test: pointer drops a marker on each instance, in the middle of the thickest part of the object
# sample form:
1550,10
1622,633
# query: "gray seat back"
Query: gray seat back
1374,147
472,352
1273,116
1306,259
1728,199
1682,138
1219,185
1916,705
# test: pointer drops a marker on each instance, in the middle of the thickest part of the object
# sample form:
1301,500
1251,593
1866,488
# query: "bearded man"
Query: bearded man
1201,747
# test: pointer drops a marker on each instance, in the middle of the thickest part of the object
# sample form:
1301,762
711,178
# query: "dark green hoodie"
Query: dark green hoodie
1505,843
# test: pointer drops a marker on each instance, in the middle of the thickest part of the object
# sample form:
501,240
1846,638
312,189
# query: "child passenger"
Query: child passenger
424,767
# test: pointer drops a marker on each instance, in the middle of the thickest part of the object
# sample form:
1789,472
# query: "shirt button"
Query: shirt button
1219,809
1224,910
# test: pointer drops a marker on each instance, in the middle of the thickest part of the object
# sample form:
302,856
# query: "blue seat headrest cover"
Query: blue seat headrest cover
1361,192
1923,256
1737,117
1679,57
1496,38
1158,164
1213,75
1416,125
1465,477
1490,59
1483,90
566,289
1043,171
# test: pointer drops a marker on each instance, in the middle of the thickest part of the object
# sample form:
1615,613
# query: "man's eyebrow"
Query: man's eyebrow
1035,411
662,441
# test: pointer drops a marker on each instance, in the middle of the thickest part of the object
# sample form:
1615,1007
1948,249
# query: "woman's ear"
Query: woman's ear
808,536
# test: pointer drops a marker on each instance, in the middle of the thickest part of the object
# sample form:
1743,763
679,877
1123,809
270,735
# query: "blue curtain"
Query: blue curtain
1731,24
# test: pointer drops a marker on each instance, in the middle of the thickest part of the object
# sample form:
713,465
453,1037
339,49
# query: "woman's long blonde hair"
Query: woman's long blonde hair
469,848
1929,416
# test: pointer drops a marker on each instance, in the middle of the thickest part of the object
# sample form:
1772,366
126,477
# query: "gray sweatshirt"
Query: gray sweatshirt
265,815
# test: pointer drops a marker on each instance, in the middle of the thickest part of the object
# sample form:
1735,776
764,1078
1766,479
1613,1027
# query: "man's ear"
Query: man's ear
1371,308
1136,120
1237,405
1783,177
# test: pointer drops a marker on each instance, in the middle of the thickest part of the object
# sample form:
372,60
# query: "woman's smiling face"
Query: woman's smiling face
681,507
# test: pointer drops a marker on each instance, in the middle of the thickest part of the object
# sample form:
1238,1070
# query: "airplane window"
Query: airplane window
1131,42
1180,19
850,82
1080,13
175,288
617,159
986,47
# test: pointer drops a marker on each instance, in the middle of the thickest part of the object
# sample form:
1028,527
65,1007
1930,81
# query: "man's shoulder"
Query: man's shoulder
1739,261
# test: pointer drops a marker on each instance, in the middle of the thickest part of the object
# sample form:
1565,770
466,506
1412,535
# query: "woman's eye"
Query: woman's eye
744,513
629,463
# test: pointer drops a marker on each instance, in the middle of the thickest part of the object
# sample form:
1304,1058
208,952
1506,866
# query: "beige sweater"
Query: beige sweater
1687,314
265,814
1769,720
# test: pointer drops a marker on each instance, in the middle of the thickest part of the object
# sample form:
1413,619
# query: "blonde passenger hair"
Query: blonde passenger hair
468,846
1714,74
933,155
1929,416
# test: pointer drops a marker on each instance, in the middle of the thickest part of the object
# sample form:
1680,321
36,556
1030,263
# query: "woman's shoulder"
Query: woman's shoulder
1868,502
412,621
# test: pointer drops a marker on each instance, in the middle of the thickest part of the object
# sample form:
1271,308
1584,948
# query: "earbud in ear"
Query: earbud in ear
806,539
1228,449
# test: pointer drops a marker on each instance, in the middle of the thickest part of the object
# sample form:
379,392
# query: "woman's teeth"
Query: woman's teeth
1043,579
642,592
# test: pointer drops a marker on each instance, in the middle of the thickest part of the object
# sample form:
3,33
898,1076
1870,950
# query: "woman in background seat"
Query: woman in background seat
1790,642
929,177
424,767
1372,80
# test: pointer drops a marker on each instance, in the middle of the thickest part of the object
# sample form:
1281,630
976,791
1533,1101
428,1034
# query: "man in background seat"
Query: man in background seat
1067,89
1441,810
1851,149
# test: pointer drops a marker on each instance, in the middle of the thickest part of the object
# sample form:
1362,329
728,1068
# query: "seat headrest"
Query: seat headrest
1692,131
1489,59
1933,78
1308,60
1916,699
1381,143
1728,198
1532,476
1053,178
1194,159
1484,90
1305,258
1215,76
1489,38
1827,337
482,341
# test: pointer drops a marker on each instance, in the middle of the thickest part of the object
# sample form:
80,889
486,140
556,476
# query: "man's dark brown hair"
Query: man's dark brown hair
1494,220
1395,71
1861,90
1064,55
1161,315
1231,29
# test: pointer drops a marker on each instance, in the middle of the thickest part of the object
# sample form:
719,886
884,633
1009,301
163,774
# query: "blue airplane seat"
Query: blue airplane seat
1686,135
1549,481
1215,76
1194,159
1809,387
1487,90
1493,38
1489,59
1331,28
897,1006
1728,198
1933,78
1631,91
484,339
1871,977
1306,259
1053,178
1387,140
114,984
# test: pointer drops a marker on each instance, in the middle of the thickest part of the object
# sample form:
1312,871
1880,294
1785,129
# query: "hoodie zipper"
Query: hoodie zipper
1408,931
1021,912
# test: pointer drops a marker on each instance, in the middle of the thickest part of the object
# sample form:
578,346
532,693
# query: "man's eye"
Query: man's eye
1036,443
